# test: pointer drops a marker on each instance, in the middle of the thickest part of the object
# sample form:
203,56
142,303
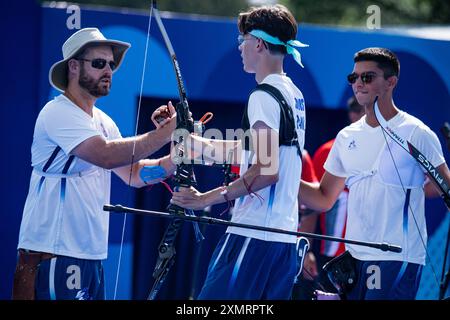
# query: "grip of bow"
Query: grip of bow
184,175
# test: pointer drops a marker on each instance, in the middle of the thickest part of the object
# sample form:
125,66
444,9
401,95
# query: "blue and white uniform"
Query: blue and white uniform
380,204
252,264
63,213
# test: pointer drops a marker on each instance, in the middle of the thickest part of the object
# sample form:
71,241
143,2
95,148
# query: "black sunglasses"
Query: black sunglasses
100,63
366,77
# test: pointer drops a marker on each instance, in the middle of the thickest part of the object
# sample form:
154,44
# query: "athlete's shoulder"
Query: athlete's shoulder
353,128
59,106
57,101
283,83
408,119
102,115
417,126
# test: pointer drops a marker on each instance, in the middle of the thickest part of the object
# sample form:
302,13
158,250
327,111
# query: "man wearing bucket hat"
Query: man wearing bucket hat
64,231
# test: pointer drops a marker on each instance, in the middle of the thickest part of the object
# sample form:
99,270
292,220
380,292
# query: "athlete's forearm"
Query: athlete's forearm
219,151
119,151
249,183
313,197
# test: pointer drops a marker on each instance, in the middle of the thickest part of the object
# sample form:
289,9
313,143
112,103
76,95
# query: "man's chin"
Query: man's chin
364,101
102,91
99,93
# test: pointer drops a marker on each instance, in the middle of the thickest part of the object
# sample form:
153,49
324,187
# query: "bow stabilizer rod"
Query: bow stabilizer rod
384,246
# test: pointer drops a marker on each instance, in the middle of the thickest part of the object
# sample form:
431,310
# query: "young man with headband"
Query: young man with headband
250,264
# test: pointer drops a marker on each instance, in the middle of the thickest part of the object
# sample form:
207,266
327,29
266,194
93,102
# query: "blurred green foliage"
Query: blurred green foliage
354,12
226,8
328,12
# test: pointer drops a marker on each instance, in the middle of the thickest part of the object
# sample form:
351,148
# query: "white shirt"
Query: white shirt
379,209
70,223
279,209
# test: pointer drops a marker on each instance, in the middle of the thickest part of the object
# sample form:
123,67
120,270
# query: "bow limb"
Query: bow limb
184,175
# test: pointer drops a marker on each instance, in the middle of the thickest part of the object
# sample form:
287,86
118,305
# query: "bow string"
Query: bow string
423,161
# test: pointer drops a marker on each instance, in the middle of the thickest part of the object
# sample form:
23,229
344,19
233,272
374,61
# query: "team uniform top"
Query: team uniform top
380,204
61,210
279,209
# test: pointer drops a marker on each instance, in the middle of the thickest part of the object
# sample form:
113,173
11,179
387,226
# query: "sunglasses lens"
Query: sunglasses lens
367,78
98,63
112,65
352,78
101,63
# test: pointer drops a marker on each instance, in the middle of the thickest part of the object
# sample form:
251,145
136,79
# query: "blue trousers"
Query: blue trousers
386,280
67,278
246,268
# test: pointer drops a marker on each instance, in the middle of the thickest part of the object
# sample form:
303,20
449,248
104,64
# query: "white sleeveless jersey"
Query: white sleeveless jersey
279,209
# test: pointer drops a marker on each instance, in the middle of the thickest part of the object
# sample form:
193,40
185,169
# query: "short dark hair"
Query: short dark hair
275,20
386,60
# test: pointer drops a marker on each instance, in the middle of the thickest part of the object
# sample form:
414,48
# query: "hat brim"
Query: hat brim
58,72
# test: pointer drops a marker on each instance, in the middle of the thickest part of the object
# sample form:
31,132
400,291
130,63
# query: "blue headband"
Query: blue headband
289,45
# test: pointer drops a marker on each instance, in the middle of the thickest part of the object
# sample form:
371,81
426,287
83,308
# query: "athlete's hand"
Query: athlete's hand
188,198
163,114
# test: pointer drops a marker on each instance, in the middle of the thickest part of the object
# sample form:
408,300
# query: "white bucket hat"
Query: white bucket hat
75,44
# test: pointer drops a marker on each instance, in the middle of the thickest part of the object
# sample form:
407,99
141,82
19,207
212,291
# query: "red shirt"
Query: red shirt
319,159
308,172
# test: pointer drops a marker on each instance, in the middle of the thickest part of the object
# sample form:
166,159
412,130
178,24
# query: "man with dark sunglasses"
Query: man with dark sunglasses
386,197
64,231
